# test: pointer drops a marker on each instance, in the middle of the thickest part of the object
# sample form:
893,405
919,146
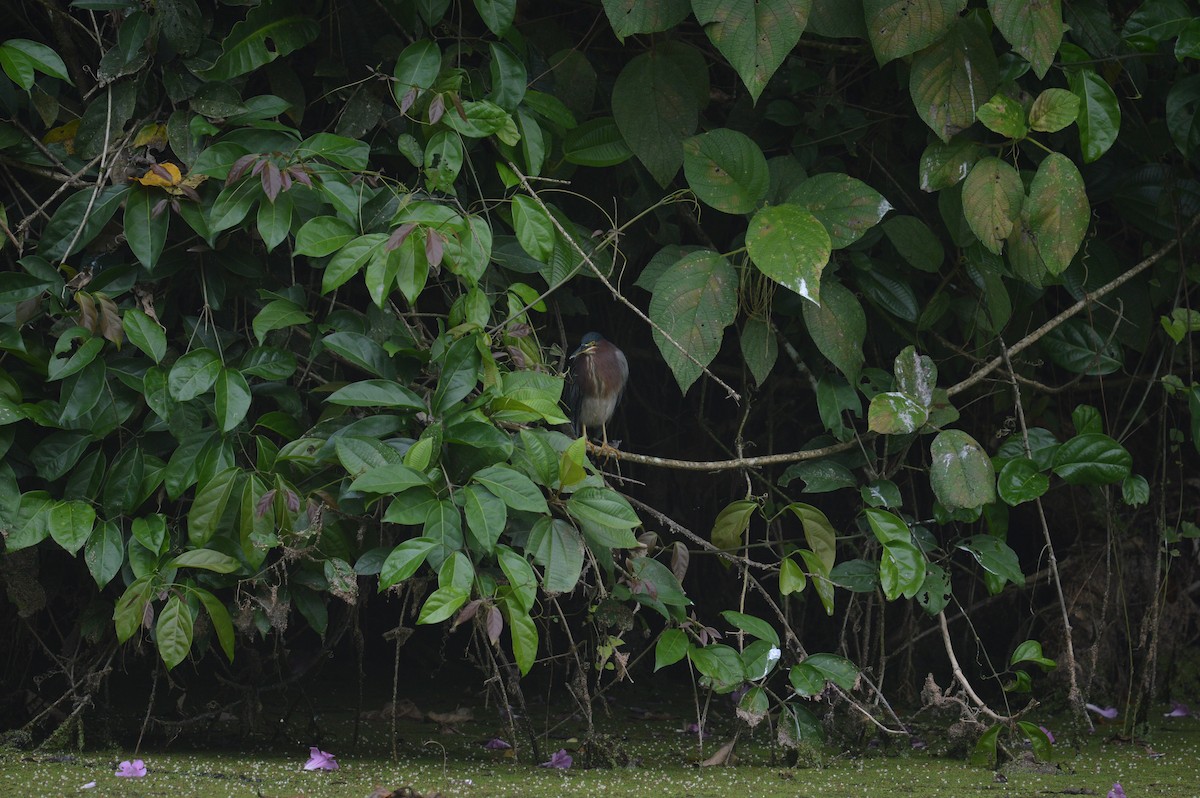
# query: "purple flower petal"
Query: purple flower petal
1117,791
561,760
496,744
88,786
1178,710
131,770
1104,712
1049,734
320,760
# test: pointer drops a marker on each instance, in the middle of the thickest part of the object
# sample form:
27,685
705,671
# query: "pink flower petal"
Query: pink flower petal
131,770
1117,791
561,760
320,760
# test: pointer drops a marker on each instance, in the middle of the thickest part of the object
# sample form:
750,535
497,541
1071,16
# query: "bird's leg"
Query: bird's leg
606,449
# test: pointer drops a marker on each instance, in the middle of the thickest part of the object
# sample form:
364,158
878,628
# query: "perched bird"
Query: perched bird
598,375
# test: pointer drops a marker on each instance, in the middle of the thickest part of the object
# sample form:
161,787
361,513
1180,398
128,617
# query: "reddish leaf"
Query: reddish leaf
159,208
495,625
300,173
398,235
272,181
110,320
434,246
436,108
239,168
408,99
467,613
264,503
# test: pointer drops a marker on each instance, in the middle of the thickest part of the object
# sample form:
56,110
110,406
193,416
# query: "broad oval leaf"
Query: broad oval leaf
901,27
1092,459
755,36
952,78
995,556
173,633
694,301
1059,211
1099,117
1033,29
847,206
193,374
655,111
726,169
895,413
838,327
1021,481
790,245
992,196
961,473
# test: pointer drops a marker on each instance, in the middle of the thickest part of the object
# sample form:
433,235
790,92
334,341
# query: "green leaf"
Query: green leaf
1031,651
18,66
131,607
376,393
721,664
672,646
857,576
936,592
1053,110
416,68
232,399
520,575
71,524
1021,481
245,48
985,748
818,533
146,231
888,527
1042,747
233,204
1092,459
38,56
694,301
790,245
209,505
404,561
104,552
486,516
759,347
275,220
1099,118
1059,211
389,479
145,333
217,612
208,560
731,523
726,169
276,315
901,570
151,532
756,627
173,633
524,640
628,17
1005,115
895,413
460,374
755,36
193,374
558,548
952,78
961,473
845,205
441,604
79,212
535,231
838,327
512,487
343,151
497,14
915,242
597,142
602,507
323,235
992,196
791,577
838,670
655,111
1080,348
1033,29
1135,490
901,27
995,556
349,260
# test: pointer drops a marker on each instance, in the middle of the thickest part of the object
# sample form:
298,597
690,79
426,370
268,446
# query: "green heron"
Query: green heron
598,375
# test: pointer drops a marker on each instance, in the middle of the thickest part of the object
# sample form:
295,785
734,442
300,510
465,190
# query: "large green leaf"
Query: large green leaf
838,327
558,548
173,633
512,487
1092,459
629,17
694,301
1033,29
145,333
960,471
655,110
1099,118
992,196
193,374
847,206
901,27
950,80
146,220
731,523
1020,481
753,35
790,245
78,213
104,552
901,570
726,169
1059,211
944,164
245,48
71,524
995,556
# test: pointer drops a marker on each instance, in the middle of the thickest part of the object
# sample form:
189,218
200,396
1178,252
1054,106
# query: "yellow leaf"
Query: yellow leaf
63,133
163,175
153,135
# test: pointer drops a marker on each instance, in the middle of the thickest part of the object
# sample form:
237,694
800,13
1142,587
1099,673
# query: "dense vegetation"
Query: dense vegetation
288,290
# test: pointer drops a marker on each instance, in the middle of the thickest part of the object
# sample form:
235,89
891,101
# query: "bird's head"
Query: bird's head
588,344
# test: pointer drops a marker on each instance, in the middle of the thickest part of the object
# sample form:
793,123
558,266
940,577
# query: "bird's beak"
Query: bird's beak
584,349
